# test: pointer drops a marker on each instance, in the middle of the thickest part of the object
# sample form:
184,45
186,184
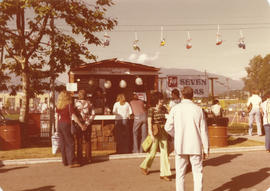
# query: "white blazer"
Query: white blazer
186,123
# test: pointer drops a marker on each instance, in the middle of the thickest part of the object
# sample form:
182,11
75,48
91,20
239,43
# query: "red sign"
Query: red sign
172,81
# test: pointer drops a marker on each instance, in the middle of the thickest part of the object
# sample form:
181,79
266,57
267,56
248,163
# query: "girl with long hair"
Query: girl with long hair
122,110
66,113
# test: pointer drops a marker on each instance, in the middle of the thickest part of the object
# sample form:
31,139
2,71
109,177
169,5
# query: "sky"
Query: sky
201,18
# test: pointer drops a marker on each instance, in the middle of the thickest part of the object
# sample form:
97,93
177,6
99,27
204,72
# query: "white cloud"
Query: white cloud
143,58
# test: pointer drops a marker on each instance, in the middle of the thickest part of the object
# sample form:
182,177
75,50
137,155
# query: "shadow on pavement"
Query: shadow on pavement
43,188
98,159
214,162
237,141
220,159
3,170
247,180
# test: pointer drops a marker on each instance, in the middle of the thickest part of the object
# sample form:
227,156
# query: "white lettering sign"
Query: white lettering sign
199,84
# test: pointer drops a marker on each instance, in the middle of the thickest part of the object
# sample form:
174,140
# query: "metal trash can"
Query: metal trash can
217,131
10,135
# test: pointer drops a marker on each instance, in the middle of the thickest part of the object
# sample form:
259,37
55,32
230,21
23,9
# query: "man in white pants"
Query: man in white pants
186,123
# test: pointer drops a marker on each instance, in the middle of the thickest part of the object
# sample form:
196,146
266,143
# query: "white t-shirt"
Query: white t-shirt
266,111
122,111
255,100
43,107
216,110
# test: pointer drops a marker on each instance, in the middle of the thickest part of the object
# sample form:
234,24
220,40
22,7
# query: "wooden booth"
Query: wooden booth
110,78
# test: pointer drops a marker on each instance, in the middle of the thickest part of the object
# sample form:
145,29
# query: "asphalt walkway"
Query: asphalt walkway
223,171
232,169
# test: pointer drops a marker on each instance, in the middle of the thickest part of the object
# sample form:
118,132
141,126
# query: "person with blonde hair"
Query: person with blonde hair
66,113
122,110
86,114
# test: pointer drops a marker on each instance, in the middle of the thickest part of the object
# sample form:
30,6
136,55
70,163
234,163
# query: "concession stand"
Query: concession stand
103,81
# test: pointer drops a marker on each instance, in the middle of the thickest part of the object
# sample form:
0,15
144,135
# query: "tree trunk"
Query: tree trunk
24,111
25,99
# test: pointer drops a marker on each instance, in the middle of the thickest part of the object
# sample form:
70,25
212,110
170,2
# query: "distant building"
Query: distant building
14,103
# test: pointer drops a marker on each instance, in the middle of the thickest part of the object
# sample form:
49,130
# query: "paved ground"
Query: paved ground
228,171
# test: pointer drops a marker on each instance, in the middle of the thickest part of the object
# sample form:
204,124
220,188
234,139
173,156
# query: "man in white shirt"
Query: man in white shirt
43,106
256,101
216,109
186,122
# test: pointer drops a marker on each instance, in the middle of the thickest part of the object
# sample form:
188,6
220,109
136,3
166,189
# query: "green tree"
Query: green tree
253,80
43,37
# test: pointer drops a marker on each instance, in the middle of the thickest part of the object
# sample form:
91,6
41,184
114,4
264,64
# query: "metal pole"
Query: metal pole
212,86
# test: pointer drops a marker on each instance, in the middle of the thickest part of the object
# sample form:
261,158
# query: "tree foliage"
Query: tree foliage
258,74
27,31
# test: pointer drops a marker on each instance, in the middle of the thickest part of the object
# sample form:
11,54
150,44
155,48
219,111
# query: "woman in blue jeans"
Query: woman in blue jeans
265,110
65,111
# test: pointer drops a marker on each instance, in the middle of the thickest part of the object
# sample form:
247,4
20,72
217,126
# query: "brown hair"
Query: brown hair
81,94
187,92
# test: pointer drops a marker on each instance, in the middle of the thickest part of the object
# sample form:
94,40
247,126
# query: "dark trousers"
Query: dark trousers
122,134
67,143
83,138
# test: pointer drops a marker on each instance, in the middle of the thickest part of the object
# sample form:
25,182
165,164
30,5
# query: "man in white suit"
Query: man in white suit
187,124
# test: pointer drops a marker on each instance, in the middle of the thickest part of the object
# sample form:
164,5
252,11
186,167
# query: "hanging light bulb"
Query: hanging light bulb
188,43
135,43
219,40
138,81
241,43
162,39
107,84
123,84
91,82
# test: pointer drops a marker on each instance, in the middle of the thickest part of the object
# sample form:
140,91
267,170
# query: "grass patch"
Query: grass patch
40,152
243,142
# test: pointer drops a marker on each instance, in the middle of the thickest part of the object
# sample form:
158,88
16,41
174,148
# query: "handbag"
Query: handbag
147,143
155,129
56,143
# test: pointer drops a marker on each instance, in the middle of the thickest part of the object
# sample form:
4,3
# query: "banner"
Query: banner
199,84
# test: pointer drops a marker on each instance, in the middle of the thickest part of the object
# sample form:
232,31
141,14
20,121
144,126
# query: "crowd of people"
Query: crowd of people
181,121
185,121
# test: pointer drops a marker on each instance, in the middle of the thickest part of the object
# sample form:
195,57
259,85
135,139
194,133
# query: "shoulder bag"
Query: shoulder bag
146,145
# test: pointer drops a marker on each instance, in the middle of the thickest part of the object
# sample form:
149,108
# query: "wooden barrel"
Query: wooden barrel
10,137
217,132
217,136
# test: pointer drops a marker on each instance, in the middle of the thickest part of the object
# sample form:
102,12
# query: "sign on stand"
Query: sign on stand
199,84
72,87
